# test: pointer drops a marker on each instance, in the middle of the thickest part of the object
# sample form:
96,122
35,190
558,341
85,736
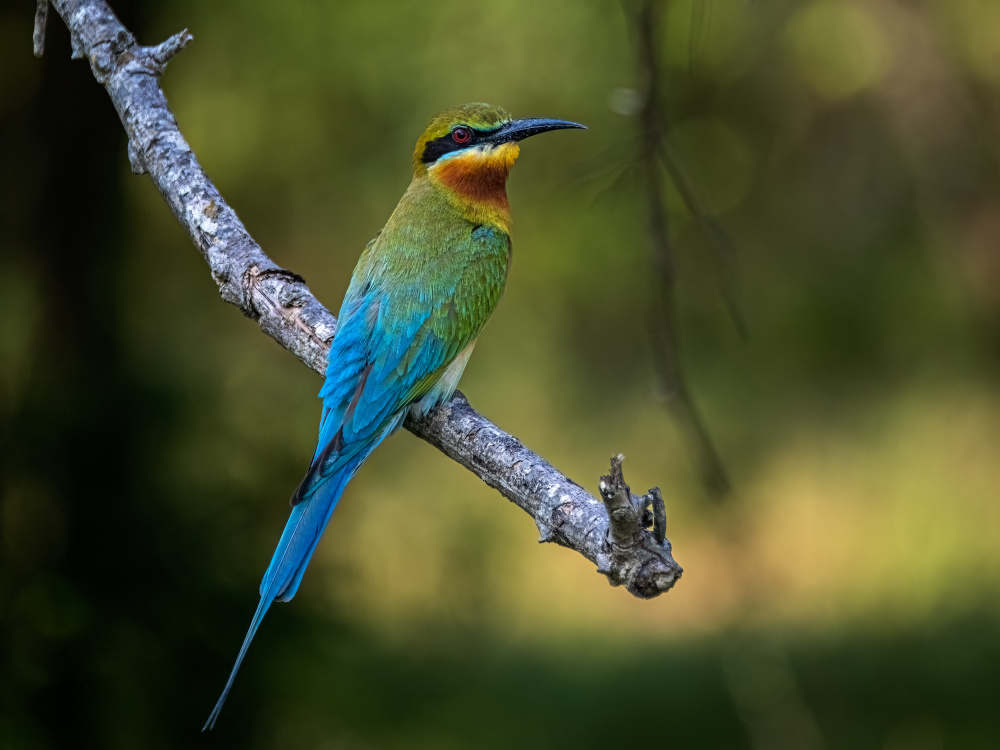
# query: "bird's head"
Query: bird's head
470,149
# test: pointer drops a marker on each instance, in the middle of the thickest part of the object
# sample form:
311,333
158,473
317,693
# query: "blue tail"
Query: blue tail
254,624
298,543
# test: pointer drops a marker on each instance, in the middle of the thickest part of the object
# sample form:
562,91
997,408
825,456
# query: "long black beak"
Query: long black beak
518,130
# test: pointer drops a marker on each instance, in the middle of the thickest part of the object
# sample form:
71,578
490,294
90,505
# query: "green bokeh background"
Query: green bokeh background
845,597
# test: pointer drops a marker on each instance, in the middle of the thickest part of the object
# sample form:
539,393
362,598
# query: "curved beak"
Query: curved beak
518,130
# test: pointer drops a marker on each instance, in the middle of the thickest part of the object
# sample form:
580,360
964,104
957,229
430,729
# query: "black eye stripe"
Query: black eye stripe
437,148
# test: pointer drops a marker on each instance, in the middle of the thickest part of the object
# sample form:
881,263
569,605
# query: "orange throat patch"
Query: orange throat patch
478,180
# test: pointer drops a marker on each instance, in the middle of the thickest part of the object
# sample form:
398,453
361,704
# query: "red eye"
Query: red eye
461,135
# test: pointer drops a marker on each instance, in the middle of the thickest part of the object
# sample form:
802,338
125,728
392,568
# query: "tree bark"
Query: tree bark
286,310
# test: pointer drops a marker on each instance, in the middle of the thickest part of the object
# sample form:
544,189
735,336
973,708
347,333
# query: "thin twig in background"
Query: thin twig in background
655,152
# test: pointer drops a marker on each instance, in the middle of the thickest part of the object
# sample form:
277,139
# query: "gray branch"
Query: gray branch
286,310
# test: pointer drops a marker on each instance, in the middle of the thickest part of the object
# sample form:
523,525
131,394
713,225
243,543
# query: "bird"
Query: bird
418,299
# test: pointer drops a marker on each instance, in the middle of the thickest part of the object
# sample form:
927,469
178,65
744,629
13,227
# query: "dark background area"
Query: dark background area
843,597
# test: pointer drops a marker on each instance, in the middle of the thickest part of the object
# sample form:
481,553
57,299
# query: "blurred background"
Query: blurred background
843,596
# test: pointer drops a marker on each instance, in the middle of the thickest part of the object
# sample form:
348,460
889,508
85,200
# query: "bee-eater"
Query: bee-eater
422,291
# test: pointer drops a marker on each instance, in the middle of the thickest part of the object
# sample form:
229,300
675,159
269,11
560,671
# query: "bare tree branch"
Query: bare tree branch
286,310
41,18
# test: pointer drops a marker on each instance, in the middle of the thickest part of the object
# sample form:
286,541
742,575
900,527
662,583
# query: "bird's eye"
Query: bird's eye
461,135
